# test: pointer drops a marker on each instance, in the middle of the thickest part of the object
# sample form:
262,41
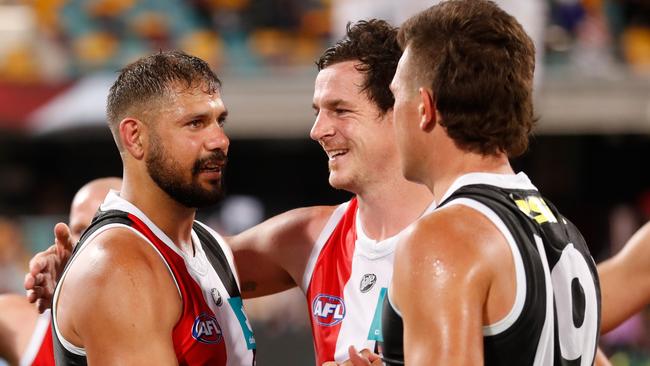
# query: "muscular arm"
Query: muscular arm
120,303
442,279
629,269
271,257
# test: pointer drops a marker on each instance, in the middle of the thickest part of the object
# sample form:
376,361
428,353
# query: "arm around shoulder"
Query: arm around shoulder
272,256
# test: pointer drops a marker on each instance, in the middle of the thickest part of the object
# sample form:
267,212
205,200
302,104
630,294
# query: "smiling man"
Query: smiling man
340,256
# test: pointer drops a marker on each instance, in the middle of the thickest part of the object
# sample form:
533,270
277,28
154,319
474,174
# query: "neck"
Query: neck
391,206
174,219
441,177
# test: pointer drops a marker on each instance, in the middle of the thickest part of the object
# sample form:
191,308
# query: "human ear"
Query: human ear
131,134
427,110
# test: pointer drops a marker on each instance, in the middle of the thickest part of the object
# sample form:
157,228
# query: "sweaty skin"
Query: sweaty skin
358,139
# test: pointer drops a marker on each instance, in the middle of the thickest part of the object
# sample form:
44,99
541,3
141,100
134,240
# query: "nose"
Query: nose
217,139
322,127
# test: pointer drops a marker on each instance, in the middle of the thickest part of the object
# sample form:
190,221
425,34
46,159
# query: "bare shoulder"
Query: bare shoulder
115,253
454,247
273,255
117,273
292,228
310,220
458,232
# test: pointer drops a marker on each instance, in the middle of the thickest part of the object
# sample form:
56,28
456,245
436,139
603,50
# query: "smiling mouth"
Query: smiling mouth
332,154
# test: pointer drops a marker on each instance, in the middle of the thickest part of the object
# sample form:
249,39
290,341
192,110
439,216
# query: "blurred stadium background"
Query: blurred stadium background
590,154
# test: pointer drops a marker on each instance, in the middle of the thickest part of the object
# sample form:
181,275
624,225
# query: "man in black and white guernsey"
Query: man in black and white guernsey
495,275
146,284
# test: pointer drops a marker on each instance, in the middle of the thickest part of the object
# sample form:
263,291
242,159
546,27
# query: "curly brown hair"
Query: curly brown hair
374,43
479,63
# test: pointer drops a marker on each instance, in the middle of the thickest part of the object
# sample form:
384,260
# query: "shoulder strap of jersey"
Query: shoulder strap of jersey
561,228
490,195
481,192
217,259
103,218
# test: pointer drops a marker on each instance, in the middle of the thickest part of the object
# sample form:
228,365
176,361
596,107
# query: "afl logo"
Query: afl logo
328,310
206,329
367,282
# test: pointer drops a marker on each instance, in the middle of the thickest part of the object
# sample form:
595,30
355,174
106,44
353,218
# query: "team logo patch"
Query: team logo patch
328,310
216,297
367,282
206,329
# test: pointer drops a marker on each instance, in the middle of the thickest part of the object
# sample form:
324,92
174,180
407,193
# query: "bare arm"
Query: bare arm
629,269
120,303
271,257
440,285
601,359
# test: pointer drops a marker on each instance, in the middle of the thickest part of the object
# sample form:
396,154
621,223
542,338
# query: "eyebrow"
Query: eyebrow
333,104
202,115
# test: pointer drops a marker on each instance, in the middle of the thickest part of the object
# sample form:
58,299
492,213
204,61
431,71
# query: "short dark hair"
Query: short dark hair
374,44
479,62
149,78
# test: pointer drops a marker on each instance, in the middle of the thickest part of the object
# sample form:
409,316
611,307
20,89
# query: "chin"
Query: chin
342,182
337,181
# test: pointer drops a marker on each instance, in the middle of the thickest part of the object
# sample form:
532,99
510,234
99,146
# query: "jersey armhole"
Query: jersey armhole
324,235
80,351
520,276
392,304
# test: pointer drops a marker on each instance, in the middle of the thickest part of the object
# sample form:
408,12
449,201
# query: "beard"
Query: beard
168,175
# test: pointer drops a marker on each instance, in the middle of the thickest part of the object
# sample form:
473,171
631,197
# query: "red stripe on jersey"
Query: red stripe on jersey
45,355
325,293
206,346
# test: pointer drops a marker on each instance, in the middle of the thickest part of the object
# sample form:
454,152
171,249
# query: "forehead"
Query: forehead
181,100
339,81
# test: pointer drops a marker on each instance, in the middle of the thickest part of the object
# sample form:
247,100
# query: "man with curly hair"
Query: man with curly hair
340,256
